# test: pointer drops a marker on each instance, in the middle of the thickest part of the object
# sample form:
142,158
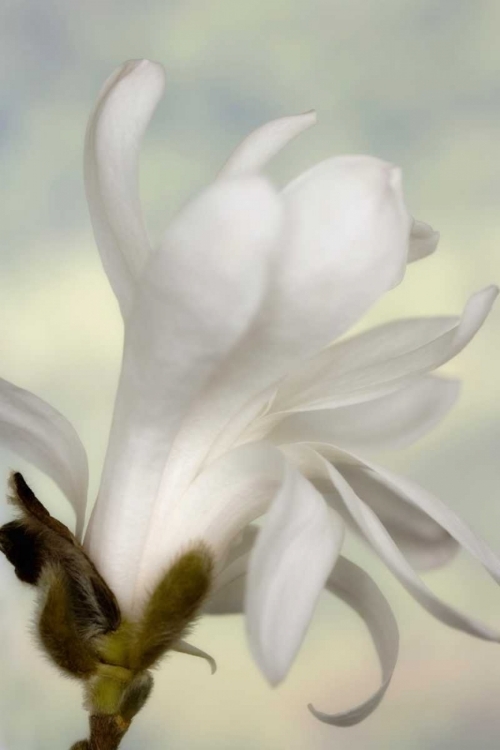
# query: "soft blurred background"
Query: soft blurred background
416,82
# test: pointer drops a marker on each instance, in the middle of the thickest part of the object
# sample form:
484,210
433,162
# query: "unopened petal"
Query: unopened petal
41,435
347,246
122,113
355,587
262,144
292,558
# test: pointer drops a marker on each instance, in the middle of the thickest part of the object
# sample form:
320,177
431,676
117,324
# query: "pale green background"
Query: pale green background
417,83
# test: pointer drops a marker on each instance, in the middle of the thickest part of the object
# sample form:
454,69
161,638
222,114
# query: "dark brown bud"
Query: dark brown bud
36,540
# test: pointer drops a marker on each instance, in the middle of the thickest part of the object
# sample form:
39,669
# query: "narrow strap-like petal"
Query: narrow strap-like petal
423,241
425,543
41,435
262,144
289,564
381,360
394,420
355,587
417,497
122,113
379,538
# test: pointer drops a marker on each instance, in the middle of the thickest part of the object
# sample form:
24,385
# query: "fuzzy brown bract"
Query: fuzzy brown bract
79,624
36,540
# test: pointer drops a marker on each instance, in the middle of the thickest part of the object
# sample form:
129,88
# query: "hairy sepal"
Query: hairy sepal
172,607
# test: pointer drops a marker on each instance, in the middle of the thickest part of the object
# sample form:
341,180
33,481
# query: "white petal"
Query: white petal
418,498
227,496
395,420
42,436
346,245
349,583
359,591
197,297
423,241
292,558
265,142
423,541
382,360
348,236
228,590
381,541
124,108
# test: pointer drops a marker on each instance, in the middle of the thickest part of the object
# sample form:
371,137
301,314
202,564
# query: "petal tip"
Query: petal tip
310,117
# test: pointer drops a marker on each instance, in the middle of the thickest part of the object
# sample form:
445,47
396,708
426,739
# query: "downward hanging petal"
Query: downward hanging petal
292,558
358,590
423,541
381,541
42,436
198,295
122,113
420,499
262,144
349,583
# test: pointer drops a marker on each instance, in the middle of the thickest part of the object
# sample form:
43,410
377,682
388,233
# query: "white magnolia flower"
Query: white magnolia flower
233,402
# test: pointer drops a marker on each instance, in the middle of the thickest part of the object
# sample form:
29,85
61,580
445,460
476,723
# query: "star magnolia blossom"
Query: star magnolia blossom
233,402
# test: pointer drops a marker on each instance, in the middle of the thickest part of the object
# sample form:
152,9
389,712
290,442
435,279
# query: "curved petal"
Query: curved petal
41,435
262,144
349,583
228,590
417,498
288,568
423,241
227,496
183,647
198,295
346,245
422,540
358,590
381,360
381,541
395,420
117,124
